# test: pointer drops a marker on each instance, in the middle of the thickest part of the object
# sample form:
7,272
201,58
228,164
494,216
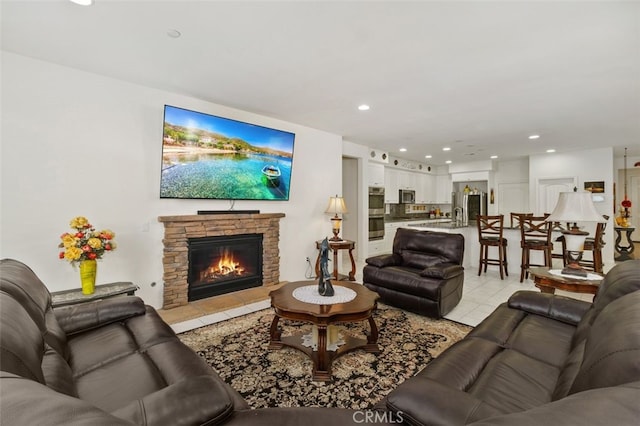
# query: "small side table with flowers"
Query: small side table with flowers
102,291
83,246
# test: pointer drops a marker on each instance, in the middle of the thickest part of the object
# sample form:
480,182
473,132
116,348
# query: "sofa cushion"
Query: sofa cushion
621,280
421,260
599,407
403,279
21,341
612,349
207,403
509,363
136,357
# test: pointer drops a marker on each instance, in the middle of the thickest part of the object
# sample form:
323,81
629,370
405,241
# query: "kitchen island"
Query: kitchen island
472,246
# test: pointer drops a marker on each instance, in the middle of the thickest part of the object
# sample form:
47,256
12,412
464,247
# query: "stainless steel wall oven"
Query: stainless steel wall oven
376,213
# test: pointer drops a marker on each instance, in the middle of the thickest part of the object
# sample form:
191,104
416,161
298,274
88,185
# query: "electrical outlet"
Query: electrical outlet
307,259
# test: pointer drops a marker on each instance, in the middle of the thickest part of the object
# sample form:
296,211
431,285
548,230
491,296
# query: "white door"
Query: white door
549,190
513,197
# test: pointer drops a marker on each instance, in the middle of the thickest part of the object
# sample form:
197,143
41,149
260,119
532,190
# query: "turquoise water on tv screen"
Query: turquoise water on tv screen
224,176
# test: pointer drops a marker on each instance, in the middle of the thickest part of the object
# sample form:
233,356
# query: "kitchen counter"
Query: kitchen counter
416,219
440,224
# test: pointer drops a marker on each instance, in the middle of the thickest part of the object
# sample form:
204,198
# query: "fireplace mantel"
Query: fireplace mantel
178,229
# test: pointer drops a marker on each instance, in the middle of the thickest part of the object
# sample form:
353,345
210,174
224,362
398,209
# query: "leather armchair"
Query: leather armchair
424,274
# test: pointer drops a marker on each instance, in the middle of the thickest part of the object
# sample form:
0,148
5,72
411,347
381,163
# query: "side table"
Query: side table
103,291
336,246
548,282
624,251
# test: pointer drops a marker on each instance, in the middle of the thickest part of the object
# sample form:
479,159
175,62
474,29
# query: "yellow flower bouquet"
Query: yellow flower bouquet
85,243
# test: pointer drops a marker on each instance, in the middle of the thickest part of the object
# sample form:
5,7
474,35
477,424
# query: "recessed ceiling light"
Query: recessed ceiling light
551,150
403,149
174,33
83,2
428,156
446,148
448,162
364,107
534,136
493,157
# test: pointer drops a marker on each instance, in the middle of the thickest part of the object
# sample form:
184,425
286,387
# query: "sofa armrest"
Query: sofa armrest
598,407
443,271
422,401
200,400
549,305
384,260
27,402
86,316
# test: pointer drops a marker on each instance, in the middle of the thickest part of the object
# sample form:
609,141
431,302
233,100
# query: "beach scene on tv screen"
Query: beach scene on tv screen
205,156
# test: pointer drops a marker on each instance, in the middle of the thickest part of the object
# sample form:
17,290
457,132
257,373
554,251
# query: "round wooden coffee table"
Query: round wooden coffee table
359,309
548,282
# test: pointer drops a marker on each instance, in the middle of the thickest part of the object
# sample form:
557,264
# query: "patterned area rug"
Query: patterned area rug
238,350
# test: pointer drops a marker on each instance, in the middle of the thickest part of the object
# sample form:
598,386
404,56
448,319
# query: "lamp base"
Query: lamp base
335,236
574,270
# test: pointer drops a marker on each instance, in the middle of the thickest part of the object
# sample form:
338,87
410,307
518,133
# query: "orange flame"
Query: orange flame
227,265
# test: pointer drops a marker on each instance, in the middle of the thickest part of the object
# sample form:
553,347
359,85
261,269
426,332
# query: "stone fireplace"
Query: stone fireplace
179,230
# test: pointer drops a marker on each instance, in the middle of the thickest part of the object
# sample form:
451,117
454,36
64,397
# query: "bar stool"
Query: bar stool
490,235
516,218
535,234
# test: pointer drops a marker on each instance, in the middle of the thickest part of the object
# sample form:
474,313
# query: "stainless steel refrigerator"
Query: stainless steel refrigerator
466,206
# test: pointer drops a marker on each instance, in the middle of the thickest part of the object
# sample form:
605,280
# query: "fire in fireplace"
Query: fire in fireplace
219,265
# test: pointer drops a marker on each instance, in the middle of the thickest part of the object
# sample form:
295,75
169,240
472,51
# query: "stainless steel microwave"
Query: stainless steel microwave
407,196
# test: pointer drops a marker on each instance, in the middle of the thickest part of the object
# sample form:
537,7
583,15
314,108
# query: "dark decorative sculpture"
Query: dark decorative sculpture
324,283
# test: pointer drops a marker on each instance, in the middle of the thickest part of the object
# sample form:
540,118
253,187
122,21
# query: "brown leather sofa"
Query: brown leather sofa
111,362
424,273
538,359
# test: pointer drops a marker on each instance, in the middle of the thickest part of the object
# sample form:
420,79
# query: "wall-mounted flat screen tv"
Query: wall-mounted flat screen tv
210,157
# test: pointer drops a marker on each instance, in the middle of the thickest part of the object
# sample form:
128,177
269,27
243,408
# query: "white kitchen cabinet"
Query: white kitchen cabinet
421,190
425,189
407,180
443,189
376,174
391,195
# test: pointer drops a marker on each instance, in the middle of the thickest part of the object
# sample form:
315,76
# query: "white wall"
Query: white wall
75,143
589,165
357,176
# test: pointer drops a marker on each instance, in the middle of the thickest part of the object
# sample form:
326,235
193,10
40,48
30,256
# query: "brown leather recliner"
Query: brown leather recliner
538,359
424,274
111,362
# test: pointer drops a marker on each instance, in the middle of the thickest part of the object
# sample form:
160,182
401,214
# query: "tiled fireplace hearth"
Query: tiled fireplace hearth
179,229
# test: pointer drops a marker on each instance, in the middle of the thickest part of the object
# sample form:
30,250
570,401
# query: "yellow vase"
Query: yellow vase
88,269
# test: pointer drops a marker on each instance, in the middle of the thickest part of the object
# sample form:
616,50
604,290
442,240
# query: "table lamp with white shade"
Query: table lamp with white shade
336,206
574,207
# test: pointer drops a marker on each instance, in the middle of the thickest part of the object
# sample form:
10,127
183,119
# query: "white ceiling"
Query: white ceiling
477,76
